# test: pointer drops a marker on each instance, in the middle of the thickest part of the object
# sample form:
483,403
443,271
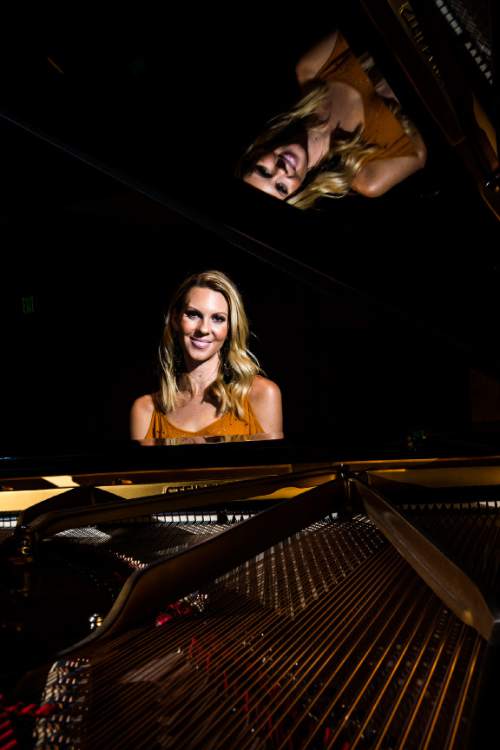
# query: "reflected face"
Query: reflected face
280,172
203,324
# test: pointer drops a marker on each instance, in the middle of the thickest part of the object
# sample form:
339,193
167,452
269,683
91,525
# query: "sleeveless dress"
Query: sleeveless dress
228,424
382,127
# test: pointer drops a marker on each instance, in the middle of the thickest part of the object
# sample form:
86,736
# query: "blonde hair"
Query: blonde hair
333,176
238,366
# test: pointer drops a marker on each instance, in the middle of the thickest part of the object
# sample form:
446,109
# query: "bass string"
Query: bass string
443,662
372,662
418,713
377,634
387,686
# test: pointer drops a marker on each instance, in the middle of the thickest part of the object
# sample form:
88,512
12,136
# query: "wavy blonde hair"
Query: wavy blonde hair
333,176
237,367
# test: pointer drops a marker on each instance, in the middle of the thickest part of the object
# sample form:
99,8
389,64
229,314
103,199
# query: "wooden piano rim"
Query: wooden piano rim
177,476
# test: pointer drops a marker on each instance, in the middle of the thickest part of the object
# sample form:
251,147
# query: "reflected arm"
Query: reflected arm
380,175
313,60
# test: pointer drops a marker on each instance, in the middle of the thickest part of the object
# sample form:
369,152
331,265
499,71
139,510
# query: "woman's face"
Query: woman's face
280,172
203,324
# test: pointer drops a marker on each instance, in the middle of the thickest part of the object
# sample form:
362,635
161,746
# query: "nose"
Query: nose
269,162
281,163
275,164
202,327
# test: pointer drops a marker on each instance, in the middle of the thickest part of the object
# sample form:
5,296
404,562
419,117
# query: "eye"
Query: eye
191,313
219,318
262,171
281,189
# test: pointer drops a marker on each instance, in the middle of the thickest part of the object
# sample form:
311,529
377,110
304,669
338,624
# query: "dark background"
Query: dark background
117,183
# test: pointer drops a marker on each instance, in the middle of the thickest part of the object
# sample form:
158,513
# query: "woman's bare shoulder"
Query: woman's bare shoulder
140,416
263,388
144,405
265,400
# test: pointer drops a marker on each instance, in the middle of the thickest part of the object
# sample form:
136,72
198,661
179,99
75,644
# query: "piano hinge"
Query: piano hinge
414,30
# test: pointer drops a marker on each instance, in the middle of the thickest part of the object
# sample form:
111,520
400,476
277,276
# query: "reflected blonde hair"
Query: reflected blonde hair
237,366
333,176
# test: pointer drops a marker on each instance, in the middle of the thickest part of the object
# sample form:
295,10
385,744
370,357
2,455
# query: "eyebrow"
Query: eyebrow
257,170
268,177
192,308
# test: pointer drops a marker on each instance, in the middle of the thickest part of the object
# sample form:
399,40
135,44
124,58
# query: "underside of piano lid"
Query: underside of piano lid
446,50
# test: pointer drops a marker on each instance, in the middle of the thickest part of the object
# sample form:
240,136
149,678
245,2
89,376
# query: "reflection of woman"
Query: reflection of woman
209,381
344,134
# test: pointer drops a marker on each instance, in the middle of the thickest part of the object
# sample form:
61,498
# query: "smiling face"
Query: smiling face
203,324
280,172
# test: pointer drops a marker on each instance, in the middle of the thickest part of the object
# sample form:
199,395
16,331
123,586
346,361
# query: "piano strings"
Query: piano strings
327,640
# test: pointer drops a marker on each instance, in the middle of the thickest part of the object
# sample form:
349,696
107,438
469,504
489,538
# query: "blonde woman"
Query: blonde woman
210,383
345,134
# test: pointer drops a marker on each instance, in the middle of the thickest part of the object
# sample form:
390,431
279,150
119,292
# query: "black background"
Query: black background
166,103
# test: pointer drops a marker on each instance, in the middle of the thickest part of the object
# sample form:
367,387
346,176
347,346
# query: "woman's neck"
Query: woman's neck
199,376
344,110
318,145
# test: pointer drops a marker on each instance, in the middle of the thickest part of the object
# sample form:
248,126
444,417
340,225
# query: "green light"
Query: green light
28,304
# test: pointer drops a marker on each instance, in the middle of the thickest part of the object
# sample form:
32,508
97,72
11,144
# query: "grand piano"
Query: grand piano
335,589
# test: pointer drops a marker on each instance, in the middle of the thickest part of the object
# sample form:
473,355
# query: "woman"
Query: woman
346,133
210,383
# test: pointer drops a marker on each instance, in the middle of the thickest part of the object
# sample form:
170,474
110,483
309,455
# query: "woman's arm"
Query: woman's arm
265,400
380,175
140,417
313,60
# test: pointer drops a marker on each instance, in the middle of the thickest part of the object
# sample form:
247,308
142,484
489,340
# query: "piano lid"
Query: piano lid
379,293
